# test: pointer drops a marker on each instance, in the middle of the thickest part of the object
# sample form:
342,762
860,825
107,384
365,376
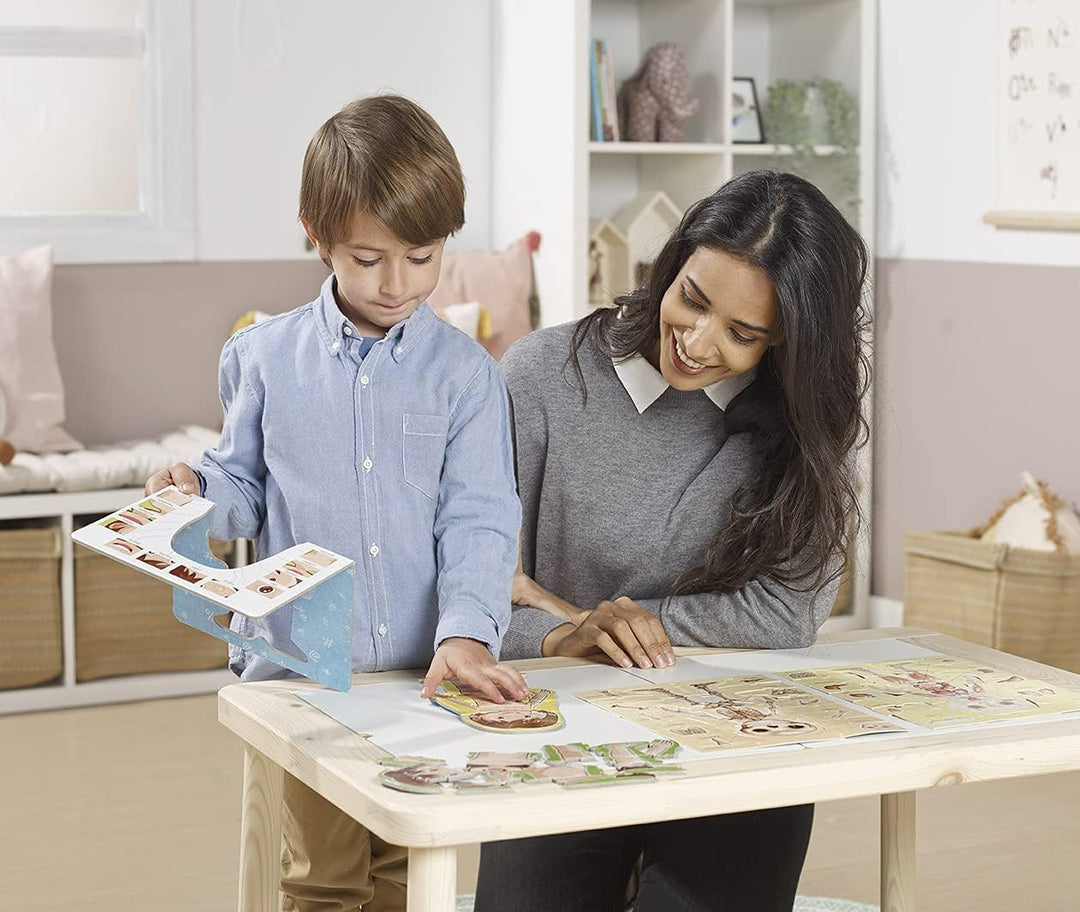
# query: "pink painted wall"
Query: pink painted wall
138,344
978,377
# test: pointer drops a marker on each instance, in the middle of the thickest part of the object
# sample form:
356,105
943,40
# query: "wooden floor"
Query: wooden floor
136,807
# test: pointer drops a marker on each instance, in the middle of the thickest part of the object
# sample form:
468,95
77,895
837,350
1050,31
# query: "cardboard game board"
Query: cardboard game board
732,713
166,536
940,691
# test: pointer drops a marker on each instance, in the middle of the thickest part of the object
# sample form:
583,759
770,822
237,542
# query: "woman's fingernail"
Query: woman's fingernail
626,663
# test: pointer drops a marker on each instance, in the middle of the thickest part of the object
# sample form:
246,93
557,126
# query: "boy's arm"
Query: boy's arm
478,515
233,474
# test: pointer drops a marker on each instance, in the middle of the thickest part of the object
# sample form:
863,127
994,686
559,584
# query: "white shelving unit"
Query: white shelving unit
687,148
62,509
573,182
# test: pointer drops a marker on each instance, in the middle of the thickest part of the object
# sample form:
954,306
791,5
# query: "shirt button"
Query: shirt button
335,346
374,550
399,351
364,380
347,330
367,465
382,630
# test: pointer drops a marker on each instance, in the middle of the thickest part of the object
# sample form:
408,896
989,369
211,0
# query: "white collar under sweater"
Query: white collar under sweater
646,384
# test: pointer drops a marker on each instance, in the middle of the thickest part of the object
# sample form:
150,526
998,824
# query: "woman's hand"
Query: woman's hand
526,591
622,630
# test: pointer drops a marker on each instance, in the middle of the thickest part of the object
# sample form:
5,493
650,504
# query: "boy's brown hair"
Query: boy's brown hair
383,156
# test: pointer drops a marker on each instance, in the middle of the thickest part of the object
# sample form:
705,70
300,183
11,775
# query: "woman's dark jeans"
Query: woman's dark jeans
746,862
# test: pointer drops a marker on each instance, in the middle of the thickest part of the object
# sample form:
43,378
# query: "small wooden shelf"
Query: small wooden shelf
701,148
659,148
775,3
773,149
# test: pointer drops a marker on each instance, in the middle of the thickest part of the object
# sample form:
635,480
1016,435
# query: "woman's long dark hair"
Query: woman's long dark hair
791,521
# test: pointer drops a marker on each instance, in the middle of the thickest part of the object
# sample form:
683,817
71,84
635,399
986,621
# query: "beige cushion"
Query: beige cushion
30,381
499,281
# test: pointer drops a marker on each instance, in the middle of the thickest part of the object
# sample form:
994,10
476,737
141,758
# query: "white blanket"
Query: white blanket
120,466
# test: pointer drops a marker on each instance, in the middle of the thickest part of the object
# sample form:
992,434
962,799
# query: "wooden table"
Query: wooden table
284,733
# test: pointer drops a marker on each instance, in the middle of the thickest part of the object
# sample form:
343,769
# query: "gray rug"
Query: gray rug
802,904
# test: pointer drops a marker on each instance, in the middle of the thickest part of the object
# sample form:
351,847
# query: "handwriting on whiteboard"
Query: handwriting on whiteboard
1039,145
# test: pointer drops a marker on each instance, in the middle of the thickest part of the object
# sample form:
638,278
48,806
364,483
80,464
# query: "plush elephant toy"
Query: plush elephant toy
653,106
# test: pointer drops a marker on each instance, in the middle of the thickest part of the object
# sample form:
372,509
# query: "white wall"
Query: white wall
938,138
539,79
269,72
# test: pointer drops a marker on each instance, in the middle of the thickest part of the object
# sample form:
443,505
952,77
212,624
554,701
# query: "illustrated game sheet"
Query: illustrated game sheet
940,691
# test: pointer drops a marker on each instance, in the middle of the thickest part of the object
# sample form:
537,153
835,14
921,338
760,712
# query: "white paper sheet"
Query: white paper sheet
398,720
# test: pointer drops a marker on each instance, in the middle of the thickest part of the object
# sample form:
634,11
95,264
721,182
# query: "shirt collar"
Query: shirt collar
646,384
332,322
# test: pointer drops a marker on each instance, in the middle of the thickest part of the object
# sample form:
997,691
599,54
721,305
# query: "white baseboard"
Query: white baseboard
886,612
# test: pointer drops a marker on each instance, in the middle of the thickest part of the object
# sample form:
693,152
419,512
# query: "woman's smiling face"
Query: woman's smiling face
717,320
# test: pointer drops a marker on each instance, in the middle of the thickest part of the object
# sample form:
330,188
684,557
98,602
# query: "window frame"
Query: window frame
163,228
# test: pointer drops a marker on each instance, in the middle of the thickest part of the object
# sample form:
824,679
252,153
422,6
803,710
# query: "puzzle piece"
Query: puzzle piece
494,770
484,760
423,778
539,711
568,753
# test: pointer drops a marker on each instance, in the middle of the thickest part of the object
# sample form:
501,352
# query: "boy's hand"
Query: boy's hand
181,475
470,662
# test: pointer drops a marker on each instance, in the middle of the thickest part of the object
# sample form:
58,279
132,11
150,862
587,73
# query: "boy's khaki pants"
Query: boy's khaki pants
330,863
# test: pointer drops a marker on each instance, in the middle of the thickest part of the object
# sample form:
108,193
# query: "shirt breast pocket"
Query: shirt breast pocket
423,443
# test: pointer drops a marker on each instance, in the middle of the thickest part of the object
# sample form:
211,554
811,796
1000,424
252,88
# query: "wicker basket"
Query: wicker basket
124,623
30,646
1019,601
845,594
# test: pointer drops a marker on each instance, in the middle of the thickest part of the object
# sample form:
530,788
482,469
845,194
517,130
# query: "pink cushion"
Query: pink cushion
30,380
501,281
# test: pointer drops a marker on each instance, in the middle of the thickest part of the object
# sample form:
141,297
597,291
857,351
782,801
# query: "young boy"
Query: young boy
365,424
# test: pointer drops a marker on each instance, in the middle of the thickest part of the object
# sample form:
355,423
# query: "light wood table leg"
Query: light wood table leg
260,834
898,852
432,879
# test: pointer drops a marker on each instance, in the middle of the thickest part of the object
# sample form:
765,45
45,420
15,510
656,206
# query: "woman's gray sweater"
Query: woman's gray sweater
620,503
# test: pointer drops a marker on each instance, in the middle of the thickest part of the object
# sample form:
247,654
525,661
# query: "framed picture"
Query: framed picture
746,124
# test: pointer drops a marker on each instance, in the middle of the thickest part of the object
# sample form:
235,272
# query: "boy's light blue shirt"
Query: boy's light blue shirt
400,460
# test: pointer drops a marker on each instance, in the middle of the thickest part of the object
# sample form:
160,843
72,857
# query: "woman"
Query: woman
684,465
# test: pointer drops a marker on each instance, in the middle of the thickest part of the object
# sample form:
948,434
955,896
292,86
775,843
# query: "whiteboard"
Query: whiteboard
1039,119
